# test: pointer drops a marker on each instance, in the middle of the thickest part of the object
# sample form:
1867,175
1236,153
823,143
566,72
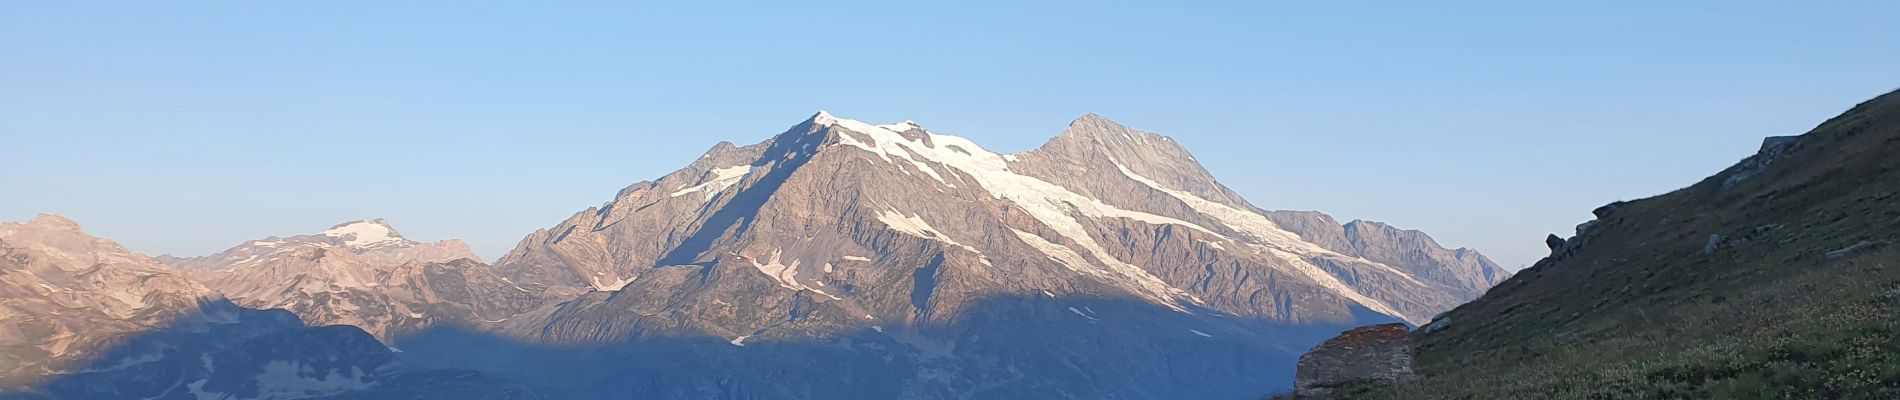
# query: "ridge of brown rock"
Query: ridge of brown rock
1369,353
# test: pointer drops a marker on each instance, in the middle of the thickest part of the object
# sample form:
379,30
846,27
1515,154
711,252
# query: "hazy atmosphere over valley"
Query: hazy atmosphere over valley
866,200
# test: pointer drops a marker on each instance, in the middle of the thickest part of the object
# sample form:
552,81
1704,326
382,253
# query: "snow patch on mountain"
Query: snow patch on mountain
613,286
1253,224
1115,271
911,224
1046,202
786,275
721,178
290,379
1280,243
889,150
902,126
1084,315
365,234
1313,272
1249,223
916,226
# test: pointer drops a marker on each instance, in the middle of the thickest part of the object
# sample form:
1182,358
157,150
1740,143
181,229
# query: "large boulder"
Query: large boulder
1371,353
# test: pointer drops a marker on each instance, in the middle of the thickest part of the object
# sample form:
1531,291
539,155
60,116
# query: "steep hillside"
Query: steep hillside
1775,278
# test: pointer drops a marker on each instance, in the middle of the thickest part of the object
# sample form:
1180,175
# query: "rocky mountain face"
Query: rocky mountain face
963,270
1770,279
83,318
1463,271
67,294
1087,209
363,274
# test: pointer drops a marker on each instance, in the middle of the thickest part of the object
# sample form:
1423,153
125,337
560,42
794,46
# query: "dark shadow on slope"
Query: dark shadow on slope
1000,348
788,151
923,282
221,349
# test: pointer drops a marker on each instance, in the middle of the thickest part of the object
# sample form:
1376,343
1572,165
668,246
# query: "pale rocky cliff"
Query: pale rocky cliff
83,318
363,274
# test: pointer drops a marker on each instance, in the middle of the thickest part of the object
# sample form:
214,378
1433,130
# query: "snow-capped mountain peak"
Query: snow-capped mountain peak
372,240
367,234
834,204
360,273
901,127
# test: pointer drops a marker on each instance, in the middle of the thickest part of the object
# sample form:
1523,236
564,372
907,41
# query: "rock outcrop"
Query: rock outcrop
1772,148
1372,353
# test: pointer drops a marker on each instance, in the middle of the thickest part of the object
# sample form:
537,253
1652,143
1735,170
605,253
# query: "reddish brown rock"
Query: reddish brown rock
1371,353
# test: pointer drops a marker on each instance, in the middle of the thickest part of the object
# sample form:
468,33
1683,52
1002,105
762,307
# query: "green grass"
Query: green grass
1640,312
1831,334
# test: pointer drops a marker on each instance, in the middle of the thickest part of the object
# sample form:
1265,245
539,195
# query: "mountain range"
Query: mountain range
84,318
363,274
837,259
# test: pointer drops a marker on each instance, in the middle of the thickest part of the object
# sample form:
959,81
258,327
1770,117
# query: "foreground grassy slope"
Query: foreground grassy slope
1641,310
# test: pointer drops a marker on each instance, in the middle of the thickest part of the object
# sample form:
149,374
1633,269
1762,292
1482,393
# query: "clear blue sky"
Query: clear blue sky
188,127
